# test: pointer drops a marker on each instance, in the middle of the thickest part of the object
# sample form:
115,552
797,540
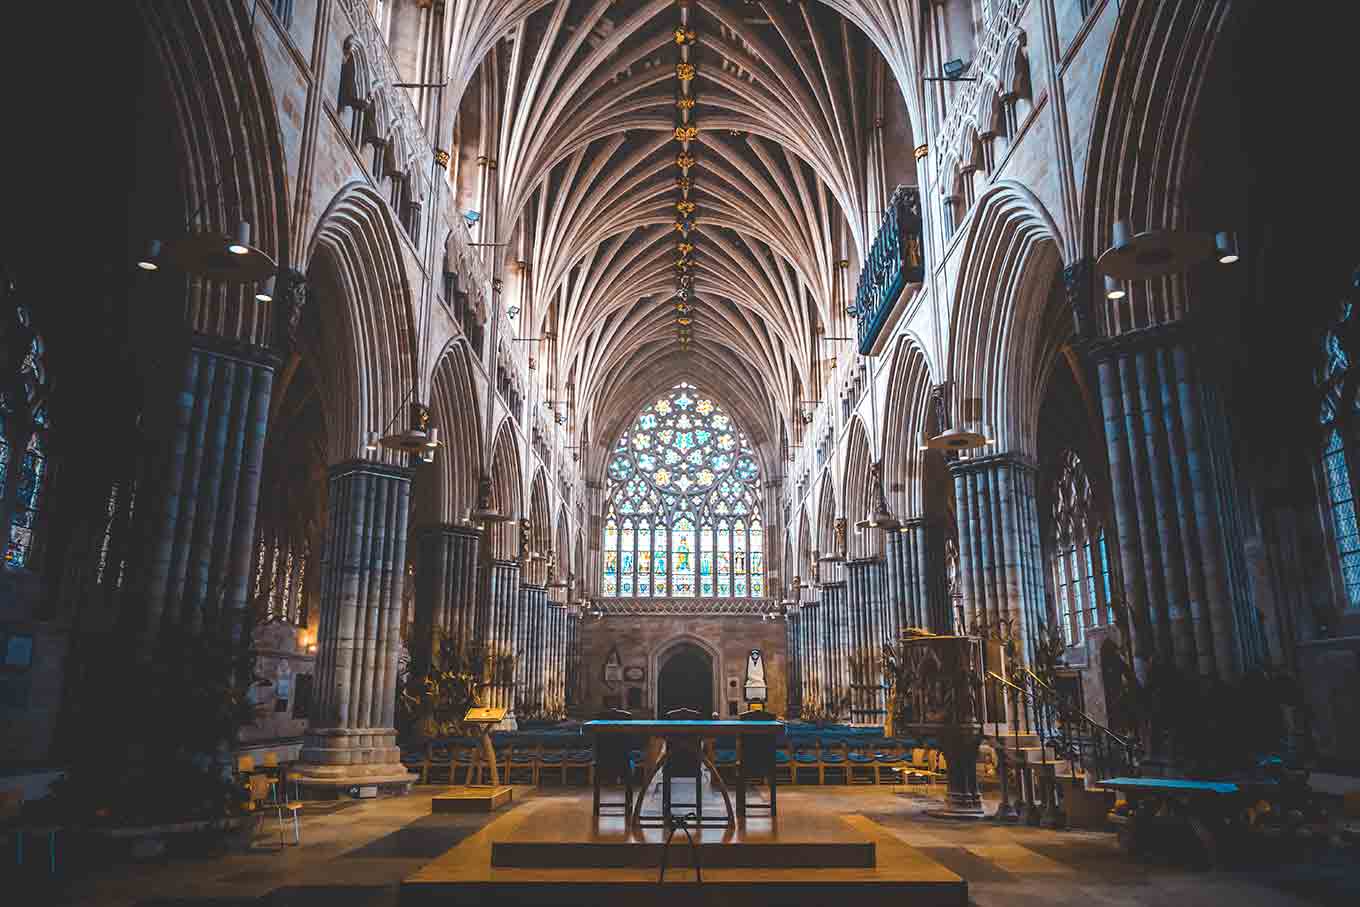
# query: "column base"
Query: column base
336,759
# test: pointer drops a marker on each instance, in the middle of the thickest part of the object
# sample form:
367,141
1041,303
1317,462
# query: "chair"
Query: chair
832,758
523,765
758,763
581,760
553,759
861,765
417,759
888,758
683,760
292,805
806,762
439,761
783,763
614,762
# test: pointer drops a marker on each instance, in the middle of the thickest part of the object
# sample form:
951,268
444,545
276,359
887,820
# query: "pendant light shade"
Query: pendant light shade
1225,246
266,291
240,244
150,260
1114,290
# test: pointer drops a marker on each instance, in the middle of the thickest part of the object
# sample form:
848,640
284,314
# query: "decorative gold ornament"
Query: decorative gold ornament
686,133
685,103
684,36
921,151
441,157
685,206
684,71
683,319
685,160
684,183
685,248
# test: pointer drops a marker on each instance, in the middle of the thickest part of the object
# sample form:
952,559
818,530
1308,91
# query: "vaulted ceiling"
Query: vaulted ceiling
678,222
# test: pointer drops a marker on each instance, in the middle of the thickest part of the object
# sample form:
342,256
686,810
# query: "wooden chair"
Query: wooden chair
523,765
614,762
757,763
861,766
582,761
683,760
832,759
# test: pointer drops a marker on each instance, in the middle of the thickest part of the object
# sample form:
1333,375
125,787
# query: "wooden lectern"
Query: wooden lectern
478,797
484,718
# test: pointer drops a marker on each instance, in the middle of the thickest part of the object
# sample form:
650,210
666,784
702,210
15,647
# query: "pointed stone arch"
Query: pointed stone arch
368,323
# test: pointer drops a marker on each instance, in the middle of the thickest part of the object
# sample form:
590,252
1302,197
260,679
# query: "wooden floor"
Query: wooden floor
550,851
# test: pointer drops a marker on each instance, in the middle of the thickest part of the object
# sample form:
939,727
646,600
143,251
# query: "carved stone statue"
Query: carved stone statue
756,690
839,529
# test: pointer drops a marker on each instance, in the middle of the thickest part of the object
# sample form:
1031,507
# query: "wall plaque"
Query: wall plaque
634,673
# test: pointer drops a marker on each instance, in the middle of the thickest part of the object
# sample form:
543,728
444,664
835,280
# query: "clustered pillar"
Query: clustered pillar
868,610
1000,560
810,649
446,591
497,627
915,585
1170,507
793,644
202,537
352,738
535,650
836,630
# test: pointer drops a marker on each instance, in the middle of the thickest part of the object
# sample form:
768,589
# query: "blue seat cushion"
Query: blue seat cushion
806,758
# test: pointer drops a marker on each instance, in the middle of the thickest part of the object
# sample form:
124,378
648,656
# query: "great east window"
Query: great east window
683,514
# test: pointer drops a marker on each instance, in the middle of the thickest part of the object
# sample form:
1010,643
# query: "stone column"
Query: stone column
1000,561
446,590
502,620
837,645
915,582
201,532
352,737
1173,493
529,647
794,674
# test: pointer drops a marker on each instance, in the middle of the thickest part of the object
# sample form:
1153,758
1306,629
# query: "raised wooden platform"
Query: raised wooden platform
472,799
550,851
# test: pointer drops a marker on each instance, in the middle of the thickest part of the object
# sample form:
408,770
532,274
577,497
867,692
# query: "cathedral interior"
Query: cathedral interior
925,424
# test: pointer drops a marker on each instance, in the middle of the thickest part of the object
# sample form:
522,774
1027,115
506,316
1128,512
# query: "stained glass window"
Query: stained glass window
1336,469
24,420
1078,538
685,475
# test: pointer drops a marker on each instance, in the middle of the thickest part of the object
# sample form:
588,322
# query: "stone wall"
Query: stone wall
646,641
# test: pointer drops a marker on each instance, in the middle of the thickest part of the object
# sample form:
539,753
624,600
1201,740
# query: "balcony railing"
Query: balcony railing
896,260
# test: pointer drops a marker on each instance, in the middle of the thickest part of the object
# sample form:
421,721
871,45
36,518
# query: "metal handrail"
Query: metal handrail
1053,722
1127,744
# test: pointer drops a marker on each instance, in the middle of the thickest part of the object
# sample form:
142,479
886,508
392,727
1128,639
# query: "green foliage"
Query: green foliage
432,703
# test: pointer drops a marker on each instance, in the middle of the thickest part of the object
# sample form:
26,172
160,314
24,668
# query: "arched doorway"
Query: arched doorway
685,681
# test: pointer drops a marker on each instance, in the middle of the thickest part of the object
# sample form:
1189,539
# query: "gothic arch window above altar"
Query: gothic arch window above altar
683,515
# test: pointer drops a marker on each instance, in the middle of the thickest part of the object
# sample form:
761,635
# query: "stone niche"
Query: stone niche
649,643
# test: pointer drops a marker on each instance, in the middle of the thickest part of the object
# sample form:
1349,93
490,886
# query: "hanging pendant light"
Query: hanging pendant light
1114,290
1225,245
230,259
150,260
266,291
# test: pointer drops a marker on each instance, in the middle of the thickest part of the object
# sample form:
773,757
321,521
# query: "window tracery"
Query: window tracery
23,424
683,515
1338,458
1079,557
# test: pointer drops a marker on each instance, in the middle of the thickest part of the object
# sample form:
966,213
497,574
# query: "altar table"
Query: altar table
671,729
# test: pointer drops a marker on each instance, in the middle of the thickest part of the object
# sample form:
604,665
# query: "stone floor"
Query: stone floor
354,854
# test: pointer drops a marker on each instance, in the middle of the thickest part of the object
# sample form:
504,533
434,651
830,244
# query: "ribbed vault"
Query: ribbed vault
592,176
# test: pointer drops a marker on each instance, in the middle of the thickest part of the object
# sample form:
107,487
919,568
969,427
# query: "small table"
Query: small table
1206,807
670,729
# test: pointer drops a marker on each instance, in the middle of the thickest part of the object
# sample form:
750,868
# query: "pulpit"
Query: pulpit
939,692
478,797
